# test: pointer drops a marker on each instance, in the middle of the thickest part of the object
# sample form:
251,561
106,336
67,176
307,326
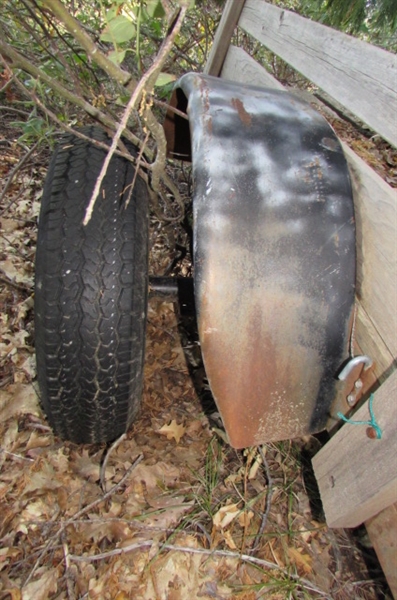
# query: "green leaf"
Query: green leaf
164,79
118,30
154,9
117,56
111,14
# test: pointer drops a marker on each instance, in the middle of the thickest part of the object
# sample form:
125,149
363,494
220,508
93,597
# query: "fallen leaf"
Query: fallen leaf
225,515
173,430
18,399
42,481
12,273
44,587
14,594
303,561
255,467
245,518
229,540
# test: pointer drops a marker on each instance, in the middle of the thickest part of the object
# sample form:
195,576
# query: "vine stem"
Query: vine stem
144,85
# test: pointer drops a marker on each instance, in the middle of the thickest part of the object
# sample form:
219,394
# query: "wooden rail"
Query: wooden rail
357,475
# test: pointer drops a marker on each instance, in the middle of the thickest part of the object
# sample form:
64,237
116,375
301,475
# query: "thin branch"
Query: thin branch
68,573
142,86
93,52
17,286
106,459
78,133
21,62
266,564
73,52
54,539
14,110
17,168
170,108
138,165
268,502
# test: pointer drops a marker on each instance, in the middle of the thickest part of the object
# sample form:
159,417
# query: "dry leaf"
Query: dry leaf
18,399
225,515
14,594
10,271
44,587
229,540
254,467
173,430
303,561
245,518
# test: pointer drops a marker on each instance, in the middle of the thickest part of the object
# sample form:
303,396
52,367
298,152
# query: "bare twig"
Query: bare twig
54,539
16,456
17,111
17,286
268,502
73,26
68,572
138,165
19,61
81,135
266,564
106,459
143,85
15,170
170,108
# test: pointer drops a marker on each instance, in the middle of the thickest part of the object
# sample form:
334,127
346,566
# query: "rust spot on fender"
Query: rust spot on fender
263,374
245,117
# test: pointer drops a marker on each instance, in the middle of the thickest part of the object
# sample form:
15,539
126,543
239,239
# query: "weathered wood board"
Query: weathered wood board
357,475
220,46
382,532
360,76
363,79
241,67
376,218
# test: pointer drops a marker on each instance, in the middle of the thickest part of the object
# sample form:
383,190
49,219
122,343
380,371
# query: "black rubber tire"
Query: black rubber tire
91,293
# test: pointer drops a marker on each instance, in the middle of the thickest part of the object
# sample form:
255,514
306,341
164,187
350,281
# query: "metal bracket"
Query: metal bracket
365,362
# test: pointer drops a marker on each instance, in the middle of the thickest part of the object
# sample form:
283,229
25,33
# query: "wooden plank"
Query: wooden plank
360,76
375,204
370,343
224,32
366,341
357,475
241,67
382,530
376,217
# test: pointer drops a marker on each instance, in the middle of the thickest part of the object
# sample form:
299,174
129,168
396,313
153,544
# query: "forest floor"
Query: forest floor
174,512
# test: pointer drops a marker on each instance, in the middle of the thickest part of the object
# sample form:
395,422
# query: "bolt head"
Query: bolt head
358,384
351,399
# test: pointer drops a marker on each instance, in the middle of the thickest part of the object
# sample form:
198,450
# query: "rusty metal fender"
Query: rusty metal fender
274,256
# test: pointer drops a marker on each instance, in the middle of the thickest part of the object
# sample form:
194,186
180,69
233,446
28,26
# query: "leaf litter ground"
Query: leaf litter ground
173,513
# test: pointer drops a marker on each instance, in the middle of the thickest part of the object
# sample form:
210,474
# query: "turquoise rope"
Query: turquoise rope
371,423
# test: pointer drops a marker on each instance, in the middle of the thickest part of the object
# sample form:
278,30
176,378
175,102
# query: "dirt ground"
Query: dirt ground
171,512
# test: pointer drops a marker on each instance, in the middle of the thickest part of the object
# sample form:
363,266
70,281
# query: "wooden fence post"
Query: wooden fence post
230,16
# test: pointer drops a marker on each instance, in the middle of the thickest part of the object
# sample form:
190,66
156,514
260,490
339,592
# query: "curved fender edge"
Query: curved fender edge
274,257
